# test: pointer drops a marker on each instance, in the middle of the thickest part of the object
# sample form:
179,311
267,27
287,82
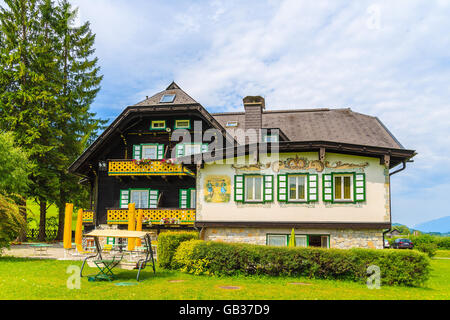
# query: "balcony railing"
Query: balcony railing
88,217
155,216
146,168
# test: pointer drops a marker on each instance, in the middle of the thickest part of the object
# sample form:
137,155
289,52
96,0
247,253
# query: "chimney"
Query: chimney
254,106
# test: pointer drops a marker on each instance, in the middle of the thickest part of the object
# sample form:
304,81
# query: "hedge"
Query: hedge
168,242
398,267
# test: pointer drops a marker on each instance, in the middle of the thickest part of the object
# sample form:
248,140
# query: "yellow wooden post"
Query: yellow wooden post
139,226
68,226
131,225
79,229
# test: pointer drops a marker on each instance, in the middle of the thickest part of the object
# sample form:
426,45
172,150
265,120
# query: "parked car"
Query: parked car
402,244
386,243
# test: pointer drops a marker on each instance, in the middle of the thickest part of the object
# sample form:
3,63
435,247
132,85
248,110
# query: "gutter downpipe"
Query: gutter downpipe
390,213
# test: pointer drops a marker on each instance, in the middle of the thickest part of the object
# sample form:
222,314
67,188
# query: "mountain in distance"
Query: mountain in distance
441,225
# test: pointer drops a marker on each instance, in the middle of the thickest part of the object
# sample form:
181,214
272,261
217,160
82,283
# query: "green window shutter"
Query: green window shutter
327,180
192,199
268,188
204,147
137,152
360,187
184,198
239,188
153,196
313,187
282,188
160,150
124,198
179,150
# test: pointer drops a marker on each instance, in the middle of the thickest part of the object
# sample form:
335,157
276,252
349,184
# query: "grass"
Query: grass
52,211
443,253
46,279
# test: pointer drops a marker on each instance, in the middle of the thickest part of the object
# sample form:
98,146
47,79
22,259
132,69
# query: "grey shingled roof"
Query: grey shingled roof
181,97
335,125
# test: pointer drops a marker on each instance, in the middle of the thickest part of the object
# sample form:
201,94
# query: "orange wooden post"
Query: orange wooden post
131,225
79,229
139,226
68,226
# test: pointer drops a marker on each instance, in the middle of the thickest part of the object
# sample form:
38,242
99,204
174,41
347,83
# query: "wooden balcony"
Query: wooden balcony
88,217
155,216
147,168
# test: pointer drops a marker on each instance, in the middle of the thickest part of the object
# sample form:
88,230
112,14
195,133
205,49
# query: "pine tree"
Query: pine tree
47,82
24,88
80,85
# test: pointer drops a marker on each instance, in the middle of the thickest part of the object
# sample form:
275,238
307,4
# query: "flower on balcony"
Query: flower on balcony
169,221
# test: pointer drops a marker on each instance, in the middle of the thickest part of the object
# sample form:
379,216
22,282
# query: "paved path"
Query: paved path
55,251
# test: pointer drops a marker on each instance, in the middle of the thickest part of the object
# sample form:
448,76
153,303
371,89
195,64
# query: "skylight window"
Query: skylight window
167,98
232,124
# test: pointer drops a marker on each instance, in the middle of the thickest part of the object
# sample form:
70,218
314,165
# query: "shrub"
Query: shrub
168,243
409,268
443,243
428,248
11,222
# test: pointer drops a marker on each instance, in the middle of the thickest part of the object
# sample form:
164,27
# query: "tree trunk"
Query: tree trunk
42,219
61,215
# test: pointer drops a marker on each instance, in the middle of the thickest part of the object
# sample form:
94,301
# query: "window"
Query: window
187,198
270,138
193,199
278,240
253,188
139,198
186,149
343,187
282,240
301,241
167,98
192,149
142,198
150,152
158,125
318,241
297,187
232,124
182,124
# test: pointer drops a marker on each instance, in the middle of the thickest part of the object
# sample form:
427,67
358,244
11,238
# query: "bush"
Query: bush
428,248
168,243
409,268
443,243
11,222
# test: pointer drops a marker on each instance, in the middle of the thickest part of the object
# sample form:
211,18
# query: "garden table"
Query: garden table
106,265
40,248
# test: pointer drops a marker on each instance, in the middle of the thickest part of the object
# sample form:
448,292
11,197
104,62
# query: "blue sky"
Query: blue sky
389,59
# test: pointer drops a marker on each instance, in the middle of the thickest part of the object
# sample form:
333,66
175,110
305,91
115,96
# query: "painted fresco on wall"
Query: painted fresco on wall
300,163
217,188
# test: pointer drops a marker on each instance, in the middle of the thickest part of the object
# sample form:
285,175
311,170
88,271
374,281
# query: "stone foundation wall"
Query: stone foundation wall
339,238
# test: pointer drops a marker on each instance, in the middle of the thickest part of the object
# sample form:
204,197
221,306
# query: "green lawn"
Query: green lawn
52,211
46,279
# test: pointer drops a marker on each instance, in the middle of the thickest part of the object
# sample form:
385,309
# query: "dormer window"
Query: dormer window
158,125
232,124
270,138
167,98
182,124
